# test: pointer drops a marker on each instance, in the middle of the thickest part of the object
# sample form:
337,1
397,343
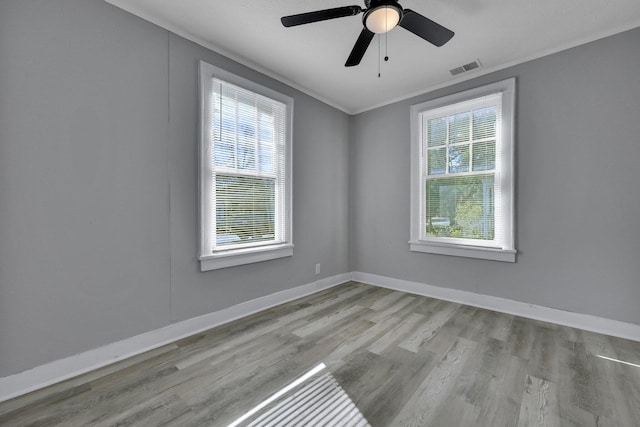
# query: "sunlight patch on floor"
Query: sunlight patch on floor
312,399
617,360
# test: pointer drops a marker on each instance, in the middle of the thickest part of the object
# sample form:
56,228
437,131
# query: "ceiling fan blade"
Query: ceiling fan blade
364,39
424,27
320,15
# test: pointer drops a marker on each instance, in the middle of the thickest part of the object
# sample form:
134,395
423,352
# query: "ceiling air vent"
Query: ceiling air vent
466,67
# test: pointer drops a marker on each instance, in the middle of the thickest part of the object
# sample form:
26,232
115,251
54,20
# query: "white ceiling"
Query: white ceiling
311,57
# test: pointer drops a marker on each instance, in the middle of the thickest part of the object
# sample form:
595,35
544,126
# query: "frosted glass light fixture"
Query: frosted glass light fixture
383,18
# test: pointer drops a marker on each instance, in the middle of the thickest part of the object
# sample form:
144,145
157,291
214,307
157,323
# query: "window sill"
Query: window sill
492,254
235,257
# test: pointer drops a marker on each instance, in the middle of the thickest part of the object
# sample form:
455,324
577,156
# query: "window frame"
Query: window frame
459,246
215,259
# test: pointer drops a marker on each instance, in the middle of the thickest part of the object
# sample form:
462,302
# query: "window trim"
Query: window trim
506,254
238,256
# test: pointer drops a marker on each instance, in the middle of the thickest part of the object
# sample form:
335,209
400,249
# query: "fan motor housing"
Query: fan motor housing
371,4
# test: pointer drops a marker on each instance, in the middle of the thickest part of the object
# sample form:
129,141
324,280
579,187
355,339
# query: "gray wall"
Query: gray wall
578,187
98,179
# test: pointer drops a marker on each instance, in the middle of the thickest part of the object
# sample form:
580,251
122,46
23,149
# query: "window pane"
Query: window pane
459,127
437,162
224,131
246,122
266,159
266,124
437,132
459,159
245,209
484,156
484,123
461,207
247,136
224,154
247,156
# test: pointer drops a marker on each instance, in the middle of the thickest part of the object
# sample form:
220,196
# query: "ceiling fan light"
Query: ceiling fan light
382,19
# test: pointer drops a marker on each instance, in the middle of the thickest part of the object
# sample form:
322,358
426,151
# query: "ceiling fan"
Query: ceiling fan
380,16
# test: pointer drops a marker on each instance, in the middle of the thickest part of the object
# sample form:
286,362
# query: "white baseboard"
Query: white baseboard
69,367
587,322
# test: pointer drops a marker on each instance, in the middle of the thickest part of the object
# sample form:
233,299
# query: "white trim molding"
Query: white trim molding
72,366
240,257
506,255
586,322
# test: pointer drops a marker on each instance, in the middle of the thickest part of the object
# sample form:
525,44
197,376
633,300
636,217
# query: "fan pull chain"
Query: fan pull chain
386,51
386,34
378,55
386,46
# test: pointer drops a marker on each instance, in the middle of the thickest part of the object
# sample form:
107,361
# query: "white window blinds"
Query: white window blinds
247,168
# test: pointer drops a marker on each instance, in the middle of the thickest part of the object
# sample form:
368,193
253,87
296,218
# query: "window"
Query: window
462,174
245,171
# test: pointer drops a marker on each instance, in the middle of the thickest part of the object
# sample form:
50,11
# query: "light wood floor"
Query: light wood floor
389,359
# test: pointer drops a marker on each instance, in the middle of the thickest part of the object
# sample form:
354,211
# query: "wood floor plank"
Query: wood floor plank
387,300
434,322
393,309
539,404
476,329
329,320
454,412
521,336
501,326
543,352
457,323
401,386
436,387
584,380
395,334
386,358
362,375
573,416
473,382
501,406
371,334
